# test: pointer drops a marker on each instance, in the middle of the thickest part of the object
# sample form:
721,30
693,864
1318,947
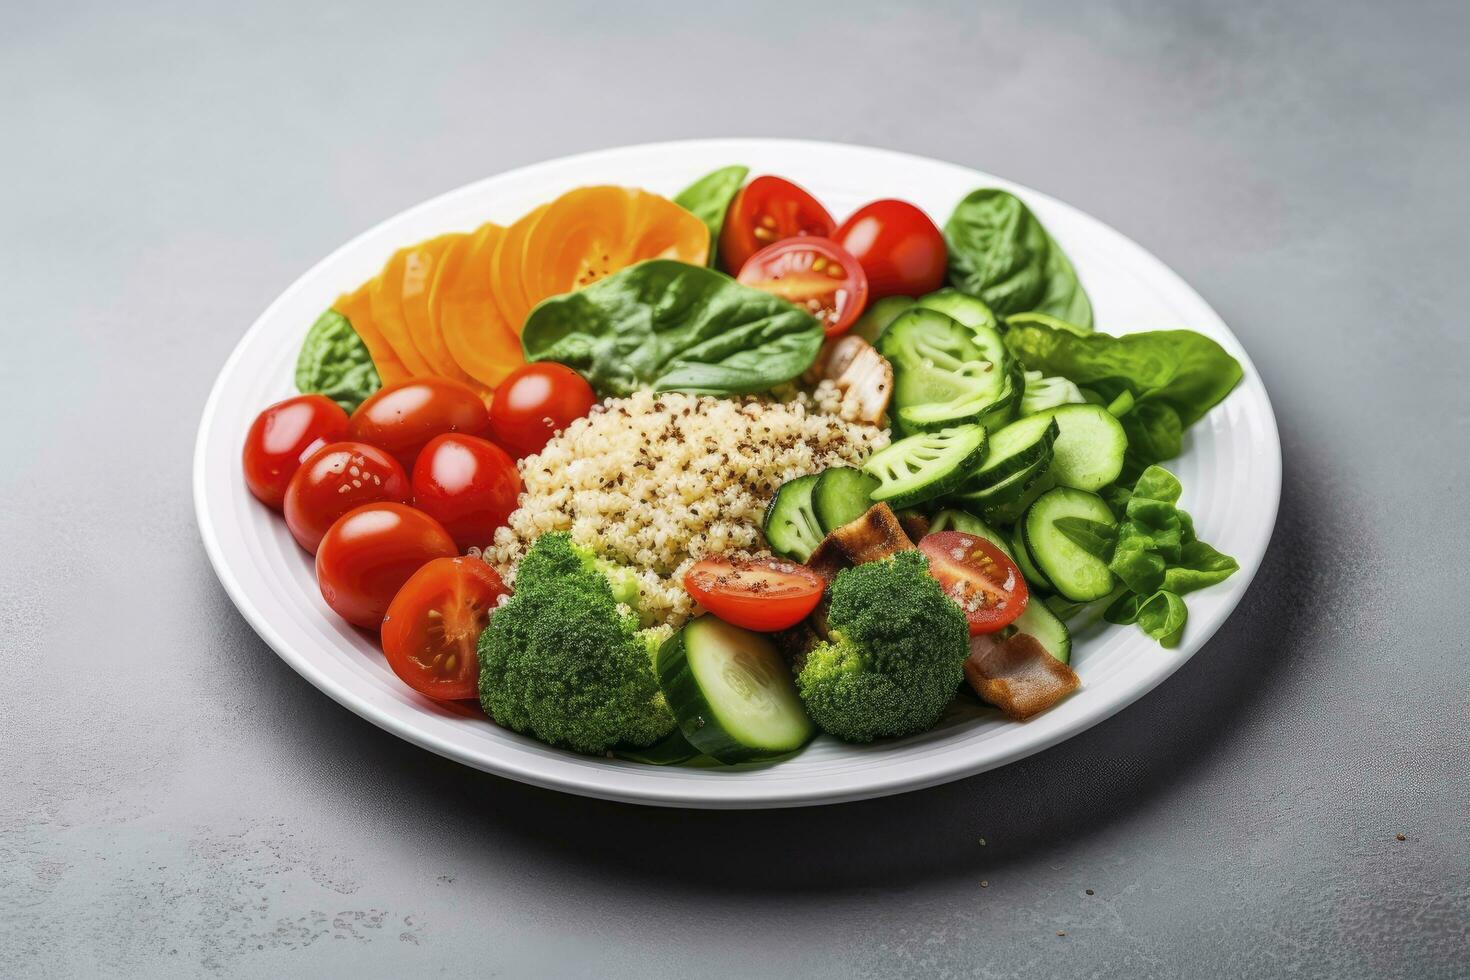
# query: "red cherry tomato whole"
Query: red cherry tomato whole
402,418
763,594
284,435
816,274
899,248
434,624
335,479
765,211
534,403
467,484
976,574
364,558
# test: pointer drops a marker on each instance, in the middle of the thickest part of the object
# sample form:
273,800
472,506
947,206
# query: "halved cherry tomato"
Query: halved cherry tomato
468,484
364,558
434,623
534,403
899,248
767,210
402,418
763,594
976,574
284,435
814,273
333,480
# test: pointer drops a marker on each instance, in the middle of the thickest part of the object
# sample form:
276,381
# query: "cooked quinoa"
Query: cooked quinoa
657,482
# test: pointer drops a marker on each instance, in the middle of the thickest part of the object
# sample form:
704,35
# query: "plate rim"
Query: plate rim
614,782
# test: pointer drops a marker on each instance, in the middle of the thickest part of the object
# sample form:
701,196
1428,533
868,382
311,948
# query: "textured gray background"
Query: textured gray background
174,800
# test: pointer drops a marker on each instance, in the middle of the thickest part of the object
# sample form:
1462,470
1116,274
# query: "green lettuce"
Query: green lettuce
1154,553
335,362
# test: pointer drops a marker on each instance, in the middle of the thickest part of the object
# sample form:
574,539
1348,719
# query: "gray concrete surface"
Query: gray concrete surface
175,801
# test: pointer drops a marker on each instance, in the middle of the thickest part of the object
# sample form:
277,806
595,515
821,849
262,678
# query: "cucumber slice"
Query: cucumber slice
731,692
1011,489
1023,561
879,314
842,495
1048,630
969,310
924,466
791,526
954,519
1017,447
1013,511
1074,573
942,377
1089,446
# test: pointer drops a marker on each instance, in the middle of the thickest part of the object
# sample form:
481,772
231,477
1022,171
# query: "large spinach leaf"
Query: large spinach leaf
674,327
1172,376
335,362
709,197
1000,252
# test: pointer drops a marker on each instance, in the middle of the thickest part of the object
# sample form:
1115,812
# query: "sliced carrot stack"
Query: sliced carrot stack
419,269
477,338
386,294
508,270
357,308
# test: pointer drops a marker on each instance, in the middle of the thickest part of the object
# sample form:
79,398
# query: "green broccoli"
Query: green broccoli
896,653
564,660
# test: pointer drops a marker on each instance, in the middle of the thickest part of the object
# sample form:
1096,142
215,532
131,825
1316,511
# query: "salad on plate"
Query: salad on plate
690,481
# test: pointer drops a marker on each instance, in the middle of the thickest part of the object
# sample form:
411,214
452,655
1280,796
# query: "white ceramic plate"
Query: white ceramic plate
1231,470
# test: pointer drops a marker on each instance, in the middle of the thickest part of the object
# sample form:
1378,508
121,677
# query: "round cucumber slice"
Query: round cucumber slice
924,466
1075,573
731,692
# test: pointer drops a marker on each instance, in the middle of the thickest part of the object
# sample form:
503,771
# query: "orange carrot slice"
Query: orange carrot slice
386,293
357,308
474,333
419,268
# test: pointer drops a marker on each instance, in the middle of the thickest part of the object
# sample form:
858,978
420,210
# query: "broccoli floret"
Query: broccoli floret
554,556
565,661
896,653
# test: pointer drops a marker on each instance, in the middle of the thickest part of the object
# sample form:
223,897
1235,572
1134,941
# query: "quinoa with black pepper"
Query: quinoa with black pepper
656,482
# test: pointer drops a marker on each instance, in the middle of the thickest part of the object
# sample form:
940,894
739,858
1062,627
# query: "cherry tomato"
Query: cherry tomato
364,558
434,624
402,418
333,480
899,248
467,484
976,574
284,435
764,594
534,403
816,274
767,210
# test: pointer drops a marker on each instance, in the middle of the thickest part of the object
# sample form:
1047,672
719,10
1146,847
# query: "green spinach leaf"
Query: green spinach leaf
709,197
335,362
1000,252
673,327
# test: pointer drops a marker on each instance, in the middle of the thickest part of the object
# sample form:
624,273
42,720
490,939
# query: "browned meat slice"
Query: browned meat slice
828,559
875,535
915,525
1017,675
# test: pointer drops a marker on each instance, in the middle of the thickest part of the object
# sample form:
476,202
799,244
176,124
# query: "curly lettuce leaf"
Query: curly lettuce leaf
335,362
671,326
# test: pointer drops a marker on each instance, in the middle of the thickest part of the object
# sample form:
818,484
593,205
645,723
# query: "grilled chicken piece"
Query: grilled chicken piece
861,374
866,383
915,525
1017,675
